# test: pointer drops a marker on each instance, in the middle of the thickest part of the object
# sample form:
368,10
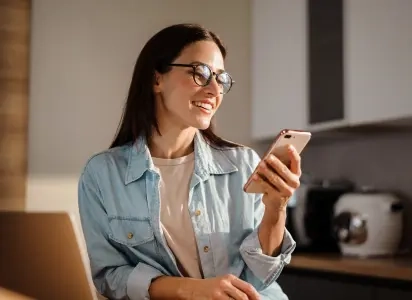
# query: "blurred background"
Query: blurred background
341,69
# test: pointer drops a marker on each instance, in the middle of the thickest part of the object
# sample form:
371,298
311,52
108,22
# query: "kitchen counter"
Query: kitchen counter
397,268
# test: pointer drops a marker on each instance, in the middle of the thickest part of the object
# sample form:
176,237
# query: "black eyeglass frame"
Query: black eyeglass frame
213,74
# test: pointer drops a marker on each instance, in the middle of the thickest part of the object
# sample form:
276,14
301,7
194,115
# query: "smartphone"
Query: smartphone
297,138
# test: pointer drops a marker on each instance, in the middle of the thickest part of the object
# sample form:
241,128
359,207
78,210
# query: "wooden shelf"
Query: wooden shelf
398,268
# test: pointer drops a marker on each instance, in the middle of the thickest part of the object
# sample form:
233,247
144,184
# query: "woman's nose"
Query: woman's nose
213,87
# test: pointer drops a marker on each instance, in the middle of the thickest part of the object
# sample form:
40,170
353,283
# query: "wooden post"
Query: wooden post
14,76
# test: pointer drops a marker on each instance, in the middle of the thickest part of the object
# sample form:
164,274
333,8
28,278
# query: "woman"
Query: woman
163,210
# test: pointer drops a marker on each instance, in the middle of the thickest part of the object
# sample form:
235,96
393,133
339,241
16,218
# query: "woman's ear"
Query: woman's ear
157,81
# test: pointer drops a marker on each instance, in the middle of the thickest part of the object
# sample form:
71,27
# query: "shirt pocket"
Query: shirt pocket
131,232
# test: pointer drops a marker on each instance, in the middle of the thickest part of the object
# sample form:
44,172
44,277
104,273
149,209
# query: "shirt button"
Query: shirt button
130,235
197,213
206,249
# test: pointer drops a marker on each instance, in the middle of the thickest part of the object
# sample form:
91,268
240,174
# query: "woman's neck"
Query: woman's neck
173,143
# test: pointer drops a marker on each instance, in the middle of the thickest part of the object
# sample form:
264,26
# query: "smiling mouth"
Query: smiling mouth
206,106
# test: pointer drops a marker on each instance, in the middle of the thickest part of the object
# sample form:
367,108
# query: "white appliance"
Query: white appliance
368,223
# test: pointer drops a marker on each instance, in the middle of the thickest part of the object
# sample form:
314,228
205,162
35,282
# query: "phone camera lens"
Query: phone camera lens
288,136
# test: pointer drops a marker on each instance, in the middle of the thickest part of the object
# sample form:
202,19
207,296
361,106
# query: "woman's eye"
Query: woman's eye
200,75
223,78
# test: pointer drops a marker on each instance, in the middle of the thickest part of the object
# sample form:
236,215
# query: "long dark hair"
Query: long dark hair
139,114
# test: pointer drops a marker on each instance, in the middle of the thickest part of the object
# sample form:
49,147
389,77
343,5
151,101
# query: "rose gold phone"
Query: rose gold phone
296,138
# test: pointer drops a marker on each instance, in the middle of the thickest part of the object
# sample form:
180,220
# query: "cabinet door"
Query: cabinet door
383,293
289,284
325,62
378,56
303,287
278,66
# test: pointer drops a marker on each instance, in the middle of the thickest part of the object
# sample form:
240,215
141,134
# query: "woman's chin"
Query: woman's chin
202,124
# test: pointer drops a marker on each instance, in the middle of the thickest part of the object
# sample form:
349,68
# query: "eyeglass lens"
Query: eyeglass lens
203,75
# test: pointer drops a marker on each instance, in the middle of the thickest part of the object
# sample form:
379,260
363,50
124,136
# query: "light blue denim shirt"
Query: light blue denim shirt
120,207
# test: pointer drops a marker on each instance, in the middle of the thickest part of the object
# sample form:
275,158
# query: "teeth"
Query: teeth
203,105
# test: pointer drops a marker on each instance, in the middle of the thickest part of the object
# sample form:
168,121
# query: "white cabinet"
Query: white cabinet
278,66
378,55
324,64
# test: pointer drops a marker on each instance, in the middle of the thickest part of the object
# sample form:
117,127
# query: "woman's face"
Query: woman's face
181,103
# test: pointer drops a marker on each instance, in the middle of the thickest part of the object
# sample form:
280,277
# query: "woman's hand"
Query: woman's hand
223,288
278,181
218,288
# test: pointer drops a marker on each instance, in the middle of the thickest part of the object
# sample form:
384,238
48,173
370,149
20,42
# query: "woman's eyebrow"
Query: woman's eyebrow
199,62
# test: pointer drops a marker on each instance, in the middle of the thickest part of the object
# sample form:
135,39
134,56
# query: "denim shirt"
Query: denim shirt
119,208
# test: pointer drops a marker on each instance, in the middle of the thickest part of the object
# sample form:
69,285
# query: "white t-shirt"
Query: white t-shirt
175,218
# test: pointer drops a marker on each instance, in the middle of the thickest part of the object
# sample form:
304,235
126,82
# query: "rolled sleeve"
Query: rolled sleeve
264,267
139,281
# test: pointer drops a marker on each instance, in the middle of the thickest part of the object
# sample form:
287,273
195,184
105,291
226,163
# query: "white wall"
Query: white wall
82,56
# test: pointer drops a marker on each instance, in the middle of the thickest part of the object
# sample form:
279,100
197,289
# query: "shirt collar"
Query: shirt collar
208,160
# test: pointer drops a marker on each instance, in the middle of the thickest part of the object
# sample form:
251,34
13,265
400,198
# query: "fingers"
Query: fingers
290,177
234,293
282,198
246,288
268,187
285,187
271,180
295,167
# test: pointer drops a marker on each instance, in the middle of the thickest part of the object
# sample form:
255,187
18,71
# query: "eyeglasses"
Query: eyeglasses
202,76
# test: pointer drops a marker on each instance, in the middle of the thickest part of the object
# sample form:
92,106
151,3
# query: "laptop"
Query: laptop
41,257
